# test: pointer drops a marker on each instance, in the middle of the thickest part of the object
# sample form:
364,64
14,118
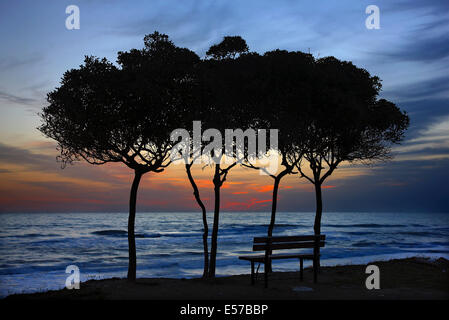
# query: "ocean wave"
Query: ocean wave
110,233
276,225
445,229
364,225
440,243
32,235
359,233
365,244
122,233
255,229
438,251
181,234
417,233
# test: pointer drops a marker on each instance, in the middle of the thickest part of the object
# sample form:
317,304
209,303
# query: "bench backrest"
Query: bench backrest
288,242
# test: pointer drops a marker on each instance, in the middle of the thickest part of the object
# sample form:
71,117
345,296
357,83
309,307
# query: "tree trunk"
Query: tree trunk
318,214
319,209
131,222
277,180
213,250
196,193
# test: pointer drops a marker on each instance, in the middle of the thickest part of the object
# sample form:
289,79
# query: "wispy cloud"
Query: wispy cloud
422,50
10,63
433,140
434,7
434,88
11,98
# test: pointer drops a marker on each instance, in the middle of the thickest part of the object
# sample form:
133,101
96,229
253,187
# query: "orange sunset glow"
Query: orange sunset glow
42,185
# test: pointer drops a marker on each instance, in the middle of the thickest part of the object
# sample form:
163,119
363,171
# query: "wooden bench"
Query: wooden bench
270,244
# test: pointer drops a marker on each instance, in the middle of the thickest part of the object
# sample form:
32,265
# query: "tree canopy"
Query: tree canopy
327,111
229,47
346,123
105,113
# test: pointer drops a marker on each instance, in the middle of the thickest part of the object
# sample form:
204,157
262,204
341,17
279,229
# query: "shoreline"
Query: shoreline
408,278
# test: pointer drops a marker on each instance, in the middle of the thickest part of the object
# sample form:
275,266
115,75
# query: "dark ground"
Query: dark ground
412,278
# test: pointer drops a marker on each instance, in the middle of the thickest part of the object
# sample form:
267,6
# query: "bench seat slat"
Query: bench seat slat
261,258
287,245
288,238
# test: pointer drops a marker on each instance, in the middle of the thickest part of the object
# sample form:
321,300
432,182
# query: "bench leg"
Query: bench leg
266,274
257,270
300,269
252,273
315,270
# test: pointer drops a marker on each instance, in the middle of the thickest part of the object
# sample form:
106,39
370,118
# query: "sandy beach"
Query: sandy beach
411,278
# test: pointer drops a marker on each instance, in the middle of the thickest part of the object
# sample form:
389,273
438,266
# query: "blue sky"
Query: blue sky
410,53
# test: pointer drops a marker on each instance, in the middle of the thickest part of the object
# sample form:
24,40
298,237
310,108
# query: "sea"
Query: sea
36,248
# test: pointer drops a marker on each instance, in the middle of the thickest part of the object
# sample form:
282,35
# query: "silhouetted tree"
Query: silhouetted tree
284,97
226,85
346,123
195,110
221,103
197,196
102,113
157,82
229,47
189,161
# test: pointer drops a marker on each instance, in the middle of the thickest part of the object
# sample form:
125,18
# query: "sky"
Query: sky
410,53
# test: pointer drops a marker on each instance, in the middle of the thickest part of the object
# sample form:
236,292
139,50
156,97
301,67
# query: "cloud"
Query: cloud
434,7
266,188
11,63
415,31
194,25
16,155
7,97
432,140
22,163
34,182
434,88
421,49
252,203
